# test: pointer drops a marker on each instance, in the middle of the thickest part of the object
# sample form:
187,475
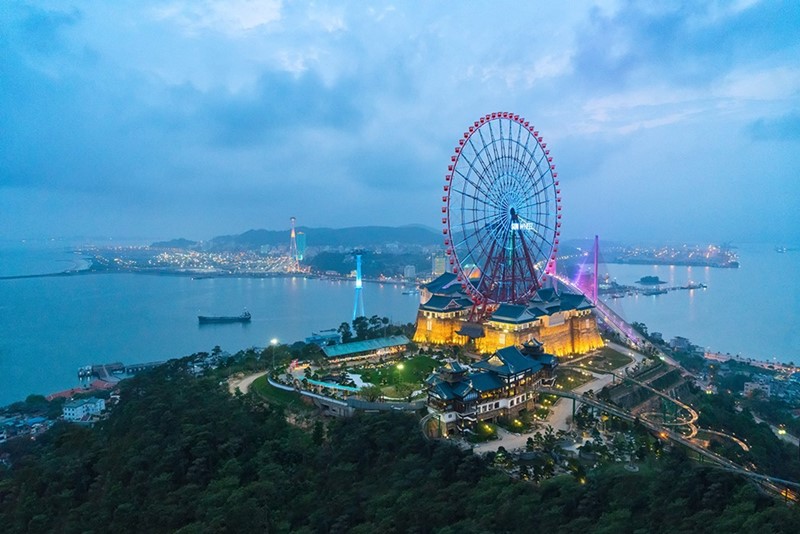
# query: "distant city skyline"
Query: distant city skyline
157,119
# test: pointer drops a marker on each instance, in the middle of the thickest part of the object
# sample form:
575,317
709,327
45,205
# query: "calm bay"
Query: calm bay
50,326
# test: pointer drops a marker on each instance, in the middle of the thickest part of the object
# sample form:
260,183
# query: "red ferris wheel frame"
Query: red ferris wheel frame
502,175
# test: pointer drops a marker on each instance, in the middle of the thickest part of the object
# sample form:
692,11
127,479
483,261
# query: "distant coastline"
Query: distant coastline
681,263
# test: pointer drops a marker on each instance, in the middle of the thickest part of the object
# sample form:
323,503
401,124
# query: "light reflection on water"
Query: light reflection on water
752,311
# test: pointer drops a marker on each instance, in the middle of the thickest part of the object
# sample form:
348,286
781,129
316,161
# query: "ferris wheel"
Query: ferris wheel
502,210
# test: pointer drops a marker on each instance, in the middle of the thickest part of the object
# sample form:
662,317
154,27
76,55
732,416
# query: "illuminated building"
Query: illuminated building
370,350
563,322
437,264
501,385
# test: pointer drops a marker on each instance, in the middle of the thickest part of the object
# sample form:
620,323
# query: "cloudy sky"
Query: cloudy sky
201,117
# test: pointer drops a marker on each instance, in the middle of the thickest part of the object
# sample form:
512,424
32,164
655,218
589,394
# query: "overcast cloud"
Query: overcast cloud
667,120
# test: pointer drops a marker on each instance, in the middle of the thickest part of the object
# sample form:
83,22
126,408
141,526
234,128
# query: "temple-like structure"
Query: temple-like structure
563,322
501,385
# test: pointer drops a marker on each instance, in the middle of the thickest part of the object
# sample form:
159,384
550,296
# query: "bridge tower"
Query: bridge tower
358,301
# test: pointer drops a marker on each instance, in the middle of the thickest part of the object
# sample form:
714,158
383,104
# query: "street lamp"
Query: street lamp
274,343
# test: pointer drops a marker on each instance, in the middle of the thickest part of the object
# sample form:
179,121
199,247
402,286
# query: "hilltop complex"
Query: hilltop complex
564,323
501,385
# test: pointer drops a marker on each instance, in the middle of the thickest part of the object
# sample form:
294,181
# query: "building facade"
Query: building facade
370,350
563,322
76,410
501,385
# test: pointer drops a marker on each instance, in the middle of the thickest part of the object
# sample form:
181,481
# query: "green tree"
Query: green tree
361,328
371,393
346,332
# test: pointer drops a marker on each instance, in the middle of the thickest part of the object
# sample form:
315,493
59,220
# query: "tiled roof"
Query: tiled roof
485,381
444,284
446,303
346,349
512,313
508,361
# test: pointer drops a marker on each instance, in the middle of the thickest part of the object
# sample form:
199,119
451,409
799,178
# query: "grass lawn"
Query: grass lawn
412,372
276,396
570,379
607,359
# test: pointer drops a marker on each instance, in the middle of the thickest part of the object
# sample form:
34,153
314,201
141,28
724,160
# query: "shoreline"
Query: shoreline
196,275
677,263
762,364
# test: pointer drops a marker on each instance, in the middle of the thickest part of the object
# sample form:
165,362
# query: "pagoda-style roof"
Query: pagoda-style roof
485,381
545,301
453,366
513,314
466,388
450,381
508,361
444,284
445,303
545,294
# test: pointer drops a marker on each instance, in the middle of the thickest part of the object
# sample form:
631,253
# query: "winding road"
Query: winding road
243,383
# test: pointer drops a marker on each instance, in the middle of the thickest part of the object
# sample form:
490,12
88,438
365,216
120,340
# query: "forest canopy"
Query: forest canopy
179,454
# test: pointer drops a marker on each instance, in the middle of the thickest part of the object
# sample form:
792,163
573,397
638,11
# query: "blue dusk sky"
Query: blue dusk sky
673,121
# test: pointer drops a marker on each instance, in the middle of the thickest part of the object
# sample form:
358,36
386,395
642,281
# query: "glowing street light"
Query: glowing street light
274,343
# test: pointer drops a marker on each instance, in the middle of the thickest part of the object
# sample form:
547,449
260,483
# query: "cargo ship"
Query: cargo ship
243,318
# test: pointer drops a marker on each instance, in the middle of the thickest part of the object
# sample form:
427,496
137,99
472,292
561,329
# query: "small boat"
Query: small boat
243,318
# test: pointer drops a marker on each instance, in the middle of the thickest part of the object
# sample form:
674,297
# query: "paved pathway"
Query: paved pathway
788,438
562,410
243,384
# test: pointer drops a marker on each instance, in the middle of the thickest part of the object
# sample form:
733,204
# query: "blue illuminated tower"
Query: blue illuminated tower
294,264
359,297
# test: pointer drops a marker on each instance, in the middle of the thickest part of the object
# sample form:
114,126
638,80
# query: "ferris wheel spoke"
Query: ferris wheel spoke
524,167
488,174
475,221
491,163
482,201
533,203
482,178
518,145
494,149
503,148
478,189
530,152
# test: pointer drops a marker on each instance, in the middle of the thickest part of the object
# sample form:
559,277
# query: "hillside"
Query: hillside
181,454
354,237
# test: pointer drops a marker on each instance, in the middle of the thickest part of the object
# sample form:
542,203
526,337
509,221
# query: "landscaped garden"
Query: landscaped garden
569,379
607,359
399,378
483,432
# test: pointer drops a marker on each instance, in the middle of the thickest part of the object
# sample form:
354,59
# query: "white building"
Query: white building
76,410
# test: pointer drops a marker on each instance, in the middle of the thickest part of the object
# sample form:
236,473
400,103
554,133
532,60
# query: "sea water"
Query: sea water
51,326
